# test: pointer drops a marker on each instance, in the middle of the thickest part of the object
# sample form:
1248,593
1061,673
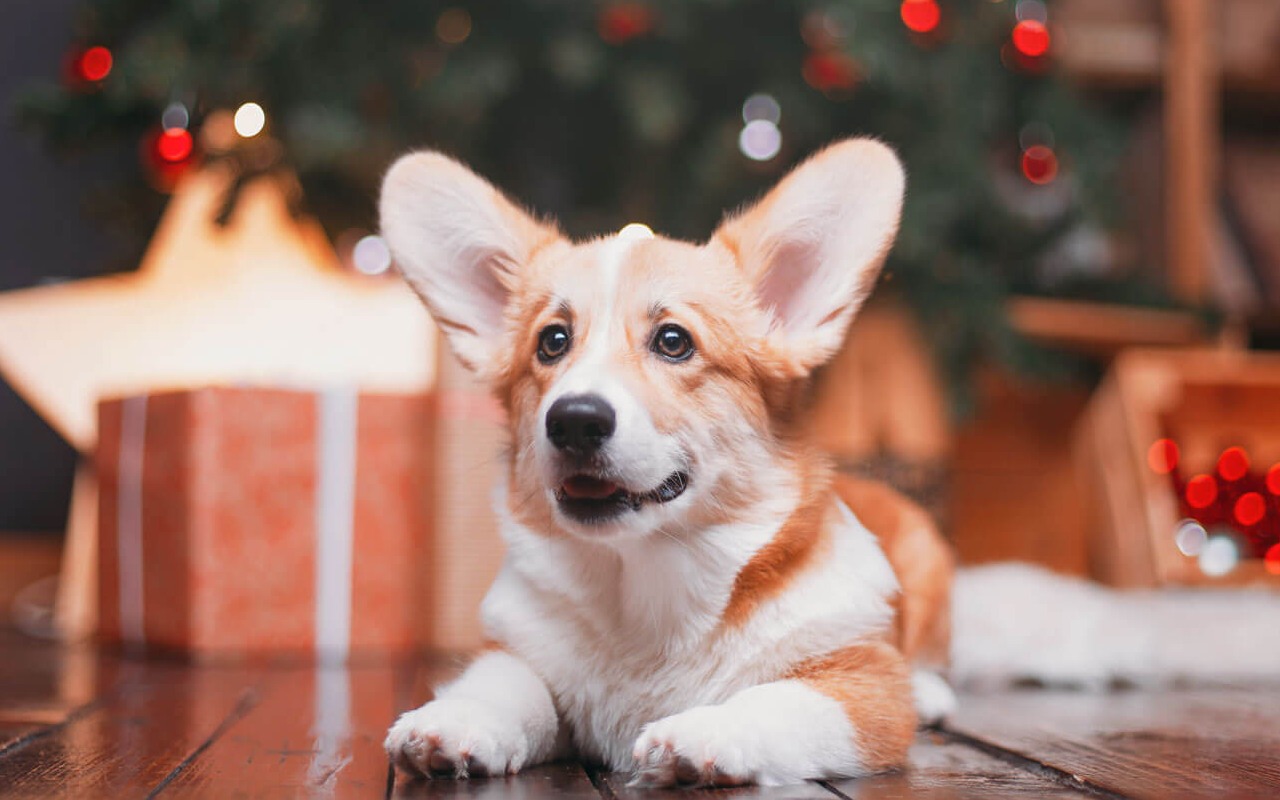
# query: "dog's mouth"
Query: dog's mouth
586,498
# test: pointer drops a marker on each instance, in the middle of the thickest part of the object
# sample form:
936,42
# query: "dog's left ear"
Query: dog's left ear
813,246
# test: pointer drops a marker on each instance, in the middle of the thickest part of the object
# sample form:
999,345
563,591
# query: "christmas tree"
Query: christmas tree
662,111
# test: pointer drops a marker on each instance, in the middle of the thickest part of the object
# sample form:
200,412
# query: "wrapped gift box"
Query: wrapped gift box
465,549
246,520
1179,459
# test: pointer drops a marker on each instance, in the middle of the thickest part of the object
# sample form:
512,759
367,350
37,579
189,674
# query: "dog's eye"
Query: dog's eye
673,343
553,342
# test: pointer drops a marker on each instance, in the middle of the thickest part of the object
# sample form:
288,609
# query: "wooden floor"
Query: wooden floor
76,723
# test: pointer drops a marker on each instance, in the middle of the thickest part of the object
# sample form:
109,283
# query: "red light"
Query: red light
619,23
95,63
1039,164
1273,479
174,145
1272,559
1031,38
1162,457
921,16
1250,509
1233,463
830,71
1202,490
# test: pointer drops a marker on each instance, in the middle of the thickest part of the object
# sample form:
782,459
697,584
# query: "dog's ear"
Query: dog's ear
813,246
461,245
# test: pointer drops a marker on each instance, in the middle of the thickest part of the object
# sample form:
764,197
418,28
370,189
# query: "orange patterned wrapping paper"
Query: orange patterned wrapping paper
239,521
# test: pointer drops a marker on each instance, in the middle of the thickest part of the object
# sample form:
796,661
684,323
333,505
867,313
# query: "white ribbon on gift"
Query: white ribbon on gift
336,416
337,413
133,440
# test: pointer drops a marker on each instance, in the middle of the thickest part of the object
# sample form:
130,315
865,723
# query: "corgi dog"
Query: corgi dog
689,592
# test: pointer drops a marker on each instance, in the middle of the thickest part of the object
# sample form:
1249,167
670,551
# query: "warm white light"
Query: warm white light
1190,537
1219,556
761,106
635,230
250,120
175,116
1034,10
371,255
760,140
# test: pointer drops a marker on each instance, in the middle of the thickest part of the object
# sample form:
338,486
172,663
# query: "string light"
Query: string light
95,63
175,115
371,255
174,145
1219,556
920,16
1031,38
1162,456
761,106
1272,559
1039,164
453,26
1250,509
250,119
1190,537
619,23
760,140
1202,490
1233,463
830,72
1032,10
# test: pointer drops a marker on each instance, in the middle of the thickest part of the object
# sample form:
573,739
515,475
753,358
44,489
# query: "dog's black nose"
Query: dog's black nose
580,423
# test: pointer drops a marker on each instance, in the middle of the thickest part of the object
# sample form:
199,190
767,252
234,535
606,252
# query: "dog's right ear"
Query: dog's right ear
461,245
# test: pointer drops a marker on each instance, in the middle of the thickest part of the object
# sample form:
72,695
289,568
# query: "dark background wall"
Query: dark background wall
47,233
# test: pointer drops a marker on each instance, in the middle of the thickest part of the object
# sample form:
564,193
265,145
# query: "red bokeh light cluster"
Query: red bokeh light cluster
94,64
1031,38
921,16
619,23
1232,496
1039,164
830,71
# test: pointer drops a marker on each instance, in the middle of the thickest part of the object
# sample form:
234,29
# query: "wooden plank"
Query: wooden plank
313,731
614,785
41,681
1187,744
24,559
153,719
1102,329
942,768
567,780
1192,132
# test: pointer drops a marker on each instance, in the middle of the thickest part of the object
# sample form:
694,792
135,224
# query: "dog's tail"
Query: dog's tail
1016,622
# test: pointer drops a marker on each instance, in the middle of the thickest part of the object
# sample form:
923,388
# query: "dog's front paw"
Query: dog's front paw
703,746
457,737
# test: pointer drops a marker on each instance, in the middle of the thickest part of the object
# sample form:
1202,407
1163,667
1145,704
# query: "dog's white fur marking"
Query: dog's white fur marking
934,698
772,734
493,720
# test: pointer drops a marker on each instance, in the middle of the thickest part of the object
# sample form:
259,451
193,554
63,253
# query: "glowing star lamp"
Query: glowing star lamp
262,300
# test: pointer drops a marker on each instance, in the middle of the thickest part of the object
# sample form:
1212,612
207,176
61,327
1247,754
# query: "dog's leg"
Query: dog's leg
846,714
494,719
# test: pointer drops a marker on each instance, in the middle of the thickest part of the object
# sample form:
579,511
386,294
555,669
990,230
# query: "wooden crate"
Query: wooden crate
1204,401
